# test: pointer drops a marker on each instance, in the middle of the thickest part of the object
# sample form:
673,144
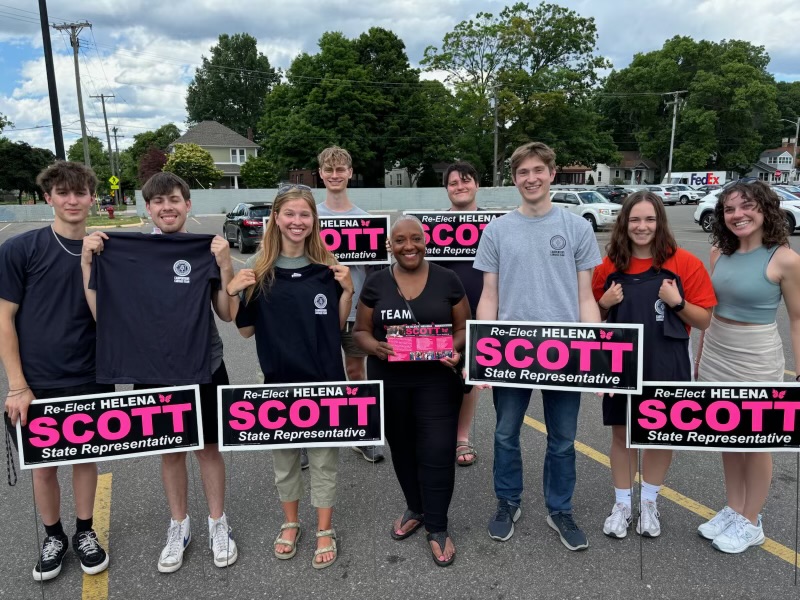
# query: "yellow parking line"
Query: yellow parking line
771,546
95,587
790,373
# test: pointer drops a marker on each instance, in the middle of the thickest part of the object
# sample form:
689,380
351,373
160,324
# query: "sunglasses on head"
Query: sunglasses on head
293,186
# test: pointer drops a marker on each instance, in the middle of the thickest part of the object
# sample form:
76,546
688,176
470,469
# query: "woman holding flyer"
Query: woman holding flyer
422,394
752,266
295,275
645,278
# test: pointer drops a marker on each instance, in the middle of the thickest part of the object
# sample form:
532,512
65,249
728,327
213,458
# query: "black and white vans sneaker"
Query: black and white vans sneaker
54,548
93,558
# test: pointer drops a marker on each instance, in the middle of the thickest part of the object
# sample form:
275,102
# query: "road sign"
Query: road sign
114,187
114,180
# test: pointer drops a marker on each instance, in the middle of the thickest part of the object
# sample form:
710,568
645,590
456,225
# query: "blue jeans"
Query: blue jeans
561,418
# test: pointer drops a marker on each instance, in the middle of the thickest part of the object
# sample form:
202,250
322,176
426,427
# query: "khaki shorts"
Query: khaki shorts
349,346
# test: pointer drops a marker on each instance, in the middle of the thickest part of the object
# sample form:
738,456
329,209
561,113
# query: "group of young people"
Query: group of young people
516,276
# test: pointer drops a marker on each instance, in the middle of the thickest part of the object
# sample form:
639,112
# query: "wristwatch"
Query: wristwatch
680,305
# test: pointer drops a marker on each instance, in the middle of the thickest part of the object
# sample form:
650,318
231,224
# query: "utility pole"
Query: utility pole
55,113
675,106
74,30
108,135
495,170
116,148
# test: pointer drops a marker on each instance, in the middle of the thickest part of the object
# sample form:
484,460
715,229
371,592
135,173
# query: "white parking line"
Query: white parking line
6,227
196,221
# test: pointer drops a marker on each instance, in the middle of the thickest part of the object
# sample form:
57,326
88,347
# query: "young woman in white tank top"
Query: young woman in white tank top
743,344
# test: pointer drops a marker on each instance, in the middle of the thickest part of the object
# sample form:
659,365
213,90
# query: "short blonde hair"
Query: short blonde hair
538,149
334,156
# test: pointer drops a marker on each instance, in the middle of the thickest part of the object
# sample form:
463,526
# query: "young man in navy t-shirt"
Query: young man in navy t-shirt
167,199
47,346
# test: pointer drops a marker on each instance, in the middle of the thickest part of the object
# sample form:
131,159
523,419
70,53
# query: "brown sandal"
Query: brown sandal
470,449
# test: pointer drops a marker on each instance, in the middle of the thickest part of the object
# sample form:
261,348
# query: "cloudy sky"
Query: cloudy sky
145,51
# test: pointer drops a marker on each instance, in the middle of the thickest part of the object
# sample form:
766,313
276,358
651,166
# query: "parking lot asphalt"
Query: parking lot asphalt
533,564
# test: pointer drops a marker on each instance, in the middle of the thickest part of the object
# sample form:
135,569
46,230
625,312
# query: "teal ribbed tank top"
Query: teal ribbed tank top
743,291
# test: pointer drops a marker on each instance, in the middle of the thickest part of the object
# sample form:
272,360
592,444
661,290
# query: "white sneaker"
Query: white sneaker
739,536
648,524
221,543
178,537
618,521
718,523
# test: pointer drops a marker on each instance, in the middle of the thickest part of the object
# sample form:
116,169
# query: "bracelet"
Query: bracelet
797,378
16,393
27,387
231,295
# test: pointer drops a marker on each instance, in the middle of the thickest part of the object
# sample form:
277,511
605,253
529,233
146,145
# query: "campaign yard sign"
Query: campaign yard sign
454,235
302,415
356,240
585,357
736,417
96,427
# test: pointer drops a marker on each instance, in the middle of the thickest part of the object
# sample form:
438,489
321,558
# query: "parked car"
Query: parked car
244,225
588,204
707,189
663,192
614,193
686,194
704,215
792,189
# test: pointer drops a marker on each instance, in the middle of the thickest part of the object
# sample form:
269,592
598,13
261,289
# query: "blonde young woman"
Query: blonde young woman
296,302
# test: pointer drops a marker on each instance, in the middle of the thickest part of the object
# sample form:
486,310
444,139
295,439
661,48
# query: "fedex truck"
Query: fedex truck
697,178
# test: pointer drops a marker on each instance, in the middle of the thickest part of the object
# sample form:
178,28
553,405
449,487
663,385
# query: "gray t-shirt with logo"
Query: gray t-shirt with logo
537,260
358,273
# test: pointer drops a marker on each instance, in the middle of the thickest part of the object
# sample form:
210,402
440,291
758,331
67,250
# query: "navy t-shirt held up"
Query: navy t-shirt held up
152,308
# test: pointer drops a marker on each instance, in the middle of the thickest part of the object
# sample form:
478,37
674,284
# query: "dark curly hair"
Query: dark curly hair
619,248
769,204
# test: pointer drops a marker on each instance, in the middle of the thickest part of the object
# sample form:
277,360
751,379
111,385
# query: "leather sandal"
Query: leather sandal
470,449
331,533
291,543
440,537
409,515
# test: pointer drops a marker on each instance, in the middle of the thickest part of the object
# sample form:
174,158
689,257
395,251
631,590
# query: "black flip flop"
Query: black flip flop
440,537
409,515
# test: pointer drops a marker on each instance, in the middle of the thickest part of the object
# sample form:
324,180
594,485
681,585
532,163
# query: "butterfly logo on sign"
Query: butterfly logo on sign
364,223
164,398
321,301
351,391
182,269
777,394
606,335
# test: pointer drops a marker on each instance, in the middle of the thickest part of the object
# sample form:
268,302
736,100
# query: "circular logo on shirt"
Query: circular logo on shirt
557,242
182,268
320,301
659,307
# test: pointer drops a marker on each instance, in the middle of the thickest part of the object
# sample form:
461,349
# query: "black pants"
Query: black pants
421,423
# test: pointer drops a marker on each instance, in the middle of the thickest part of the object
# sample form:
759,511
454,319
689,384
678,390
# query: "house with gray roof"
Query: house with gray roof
775,165
228,149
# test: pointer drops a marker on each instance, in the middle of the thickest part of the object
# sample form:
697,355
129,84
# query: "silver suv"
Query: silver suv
663,192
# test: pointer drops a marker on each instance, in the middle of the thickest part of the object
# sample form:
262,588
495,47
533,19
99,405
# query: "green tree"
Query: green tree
540,64
194,165
21,164
230,86
98,157
260,172
358,93
728,112
4,122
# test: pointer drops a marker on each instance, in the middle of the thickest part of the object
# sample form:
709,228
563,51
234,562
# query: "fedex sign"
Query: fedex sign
704,179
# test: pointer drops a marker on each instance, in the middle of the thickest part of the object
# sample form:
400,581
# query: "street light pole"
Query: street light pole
794,148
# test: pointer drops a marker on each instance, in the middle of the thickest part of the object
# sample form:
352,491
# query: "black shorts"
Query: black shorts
615,409
83,389
208,401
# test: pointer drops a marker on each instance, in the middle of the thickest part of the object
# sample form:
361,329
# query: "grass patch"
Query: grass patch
104,221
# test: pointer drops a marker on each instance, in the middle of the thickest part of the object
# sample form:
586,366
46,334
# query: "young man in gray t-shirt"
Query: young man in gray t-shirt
537,262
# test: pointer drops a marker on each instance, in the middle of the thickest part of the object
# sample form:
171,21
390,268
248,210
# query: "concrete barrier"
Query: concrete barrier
25,212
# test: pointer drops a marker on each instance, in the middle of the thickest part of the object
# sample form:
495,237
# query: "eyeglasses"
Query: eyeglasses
293,186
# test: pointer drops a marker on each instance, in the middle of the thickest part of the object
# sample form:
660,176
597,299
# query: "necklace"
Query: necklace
55,235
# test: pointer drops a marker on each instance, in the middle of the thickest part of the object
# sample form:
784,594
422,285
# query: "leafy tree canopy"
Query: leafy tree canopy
194,165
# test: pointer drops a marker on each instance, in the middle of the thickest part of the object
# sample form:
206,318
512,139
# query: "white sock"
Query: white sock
650,492
623,496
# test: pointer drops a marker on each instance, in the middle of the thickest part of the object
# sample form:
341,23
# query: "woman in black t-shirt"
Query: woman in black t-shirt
423,396
297,300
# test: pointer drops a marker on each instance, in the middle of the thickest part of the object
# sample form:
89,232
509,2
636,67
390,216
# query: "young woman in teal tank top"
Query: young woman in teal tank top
752,267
